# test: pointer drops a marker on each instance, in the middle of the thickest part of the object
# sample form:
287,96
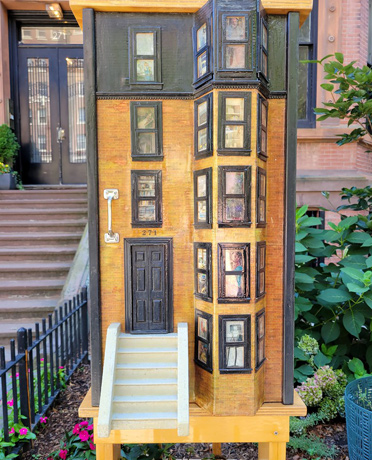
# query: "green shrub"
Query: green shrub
8,145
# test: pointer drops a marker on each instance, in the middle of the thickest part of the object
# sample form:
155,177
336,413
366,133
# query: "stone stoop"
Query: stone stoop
40,230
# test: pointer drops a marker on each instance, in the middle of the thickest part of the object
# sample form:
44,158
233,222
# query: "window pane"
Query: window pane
234,137
262,185
202,64
234,286
202,186
261,326
202,259
305,30
145,70
303,83
202,352
234,260
202,328
202,113
146,211
262,257
146,186
261,351
146,117
234,331
202,211
235,209
261,212
264,64
202,284
201,37
235,28
202,139
145,44
262,282
146,143
263,141
235,57
263,115
51,35
235,357
234,183
234,109
264,36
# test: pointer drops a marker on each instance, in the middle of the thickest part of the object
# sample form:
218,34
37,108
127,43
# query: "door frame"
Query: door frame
168,260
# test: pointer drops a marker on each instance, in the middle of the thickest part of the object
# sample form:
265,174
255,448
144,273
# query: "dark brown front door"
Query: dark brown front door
148,285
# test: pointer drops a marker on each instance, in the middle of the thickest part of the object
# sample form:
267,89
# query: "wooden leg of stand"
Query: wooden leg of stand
272,450
108,451
216,449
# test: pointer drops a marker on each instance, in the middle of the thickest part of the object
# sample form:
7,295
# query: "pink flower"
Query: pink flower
92,436
84,436
63,454
76,429
61,367
43,419
17,375
92,446
90,427
12,431
83,423
10,403
41,359
23,431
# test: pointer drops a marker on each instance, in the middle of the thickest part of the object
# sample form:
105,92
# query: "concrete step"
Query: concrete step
62,253
13,289
140,388
42,214
39,239
76,225
33,270
17,195
27,308
142,355
9,328
42,203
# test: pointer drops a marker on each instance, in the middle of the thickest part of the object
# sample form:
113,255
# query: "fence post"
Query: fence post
23,376
84,323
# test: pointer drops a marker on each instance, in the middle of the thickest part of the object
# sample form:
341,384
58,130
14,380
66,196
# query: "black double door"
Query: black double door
52,115
148,299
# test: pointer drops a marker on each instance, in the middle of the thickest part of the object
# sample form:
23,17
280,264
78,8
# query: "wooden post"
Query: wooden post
108,451
216,449
272,450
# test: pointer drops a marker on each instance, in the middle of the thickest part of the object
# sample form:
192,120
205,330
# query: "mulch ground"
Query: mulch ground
64,415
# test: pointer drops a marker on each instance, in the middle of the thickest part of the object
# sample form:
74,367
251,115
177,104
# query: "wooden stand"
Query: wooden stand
269,427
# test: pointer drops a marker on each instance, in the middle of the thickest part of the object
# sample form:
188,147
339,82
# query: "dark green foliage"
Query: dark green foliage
146,451
8,145
312,446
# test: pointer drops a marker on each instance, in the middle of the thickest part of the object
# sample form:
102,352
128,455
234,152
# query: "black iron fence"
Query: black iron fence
32,378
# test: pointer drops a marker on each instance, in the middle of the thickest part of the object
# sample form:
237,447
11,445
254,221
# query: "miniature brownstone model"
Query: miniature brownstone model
191,131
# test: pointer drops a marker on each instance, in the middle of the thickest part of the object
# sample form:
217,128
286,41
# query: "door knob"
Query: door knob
61,136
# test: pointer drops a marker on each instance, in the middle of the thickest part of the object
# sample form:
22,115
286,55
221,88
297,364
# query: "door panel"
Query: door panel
147,287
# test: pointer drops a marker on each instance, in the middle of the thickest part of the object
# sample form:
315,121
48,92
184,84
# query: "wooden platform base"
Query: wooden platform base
269,427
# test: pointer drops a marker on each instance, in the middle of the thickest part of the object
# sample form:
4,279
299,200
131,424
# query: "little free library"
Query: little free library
191,141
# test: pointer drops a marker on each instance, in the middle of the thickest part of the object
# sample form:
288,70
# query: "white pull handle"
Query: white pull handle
110,194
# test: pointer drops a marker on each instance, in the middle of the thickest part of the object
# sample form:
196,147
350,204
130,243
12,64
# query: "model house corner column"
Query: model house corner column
4,65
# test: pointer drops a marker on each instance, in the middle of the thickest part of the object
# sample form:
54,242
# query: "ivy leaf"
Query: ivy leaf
334,296
330,332
353,322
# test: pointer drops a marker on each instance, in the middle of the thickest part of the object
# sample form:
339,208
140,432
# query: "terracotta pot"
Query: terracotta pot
7,182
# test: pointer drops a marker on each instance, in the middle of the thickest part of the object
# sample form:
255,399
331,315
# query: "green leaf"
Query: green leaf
305,369
300,247
311,221
301,211
321,360
327,86
312,242
368,298
353,287
358,237
367,243
299,354
356,366
302,259
334,295
301,234
369,357
348,222
354,261
353,273
353,322
303,304
330,332
339,57
369,262
303,278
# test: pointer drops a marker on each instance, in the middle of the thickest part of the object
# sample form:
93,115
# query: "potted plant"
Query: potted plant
8,151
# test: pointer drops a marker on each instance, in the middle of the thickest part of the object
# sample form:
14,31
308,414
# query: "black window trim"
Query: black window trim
260,127
207,271
247,369
208,198
261,173
199,81
208,125
136,223
209,366
134,83
158,130
222,273
222,223
258,339
263,50
259,292
246,123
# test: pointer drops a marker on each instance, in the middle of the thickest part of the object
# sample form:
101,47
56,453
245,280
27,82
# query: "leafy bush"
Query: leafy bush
8,145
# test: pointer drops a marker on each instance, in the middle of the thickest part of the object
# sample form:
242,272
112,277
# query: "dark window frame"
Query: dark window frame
263,49
156,57
261,198
246,123
259,339
261,128
209,341
245,274
222,196
208,126
260,293
136,223
246,344
158,130
208,198
223,42
208,271
310,120
198,81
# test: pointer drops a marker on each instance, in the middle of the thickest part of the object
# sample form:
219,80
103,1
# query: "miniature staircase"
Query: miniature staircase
143,385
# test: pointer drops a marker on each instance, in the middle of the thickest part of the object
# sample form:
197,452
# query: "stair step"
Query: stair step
145,416
9,328
30,270
43,226
63,253
147,365
12,289
145,382
27,308
129,423
40,238
140,388
138,355
144,406
42,214
147,398
148,341
32,203
43,194
145,373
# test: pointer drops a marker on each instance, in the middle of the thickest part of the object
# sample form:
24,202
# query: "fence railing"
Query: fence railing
33,377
